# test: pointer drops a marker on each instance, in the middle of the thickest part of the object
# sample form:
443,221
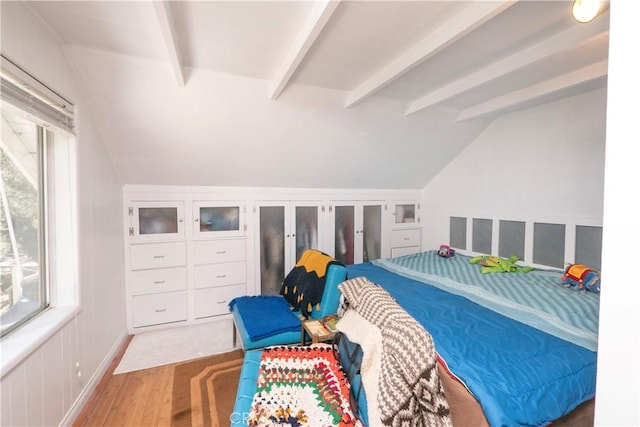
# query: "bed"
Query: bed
514,348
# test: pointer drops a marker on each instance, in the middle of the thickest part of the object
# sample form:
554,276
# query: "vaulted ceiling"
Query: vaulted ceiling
352,94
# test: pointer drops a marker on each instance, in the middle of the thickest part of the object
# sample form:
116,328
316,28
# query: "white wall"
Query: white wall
543,163
618,378
44,388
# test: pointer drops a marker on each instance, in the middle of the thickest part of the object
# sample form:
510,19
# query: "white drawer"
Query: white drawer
223,250
158,255
406,250
228,273
158,280
405,237
215,301
159,308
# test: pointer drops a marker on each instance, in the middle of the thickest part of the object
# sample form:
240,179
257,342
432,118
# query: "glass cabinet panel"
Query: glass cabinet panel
405,213
154,221
217,219
306,229
344,234
158,220
272,248
371,233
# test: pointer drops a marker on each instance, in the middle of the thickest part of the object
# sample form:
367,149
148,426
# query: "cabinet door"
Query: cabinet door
286,230
357,234
307,229
344,233
371,232
218,219
156,221
272,246
405,213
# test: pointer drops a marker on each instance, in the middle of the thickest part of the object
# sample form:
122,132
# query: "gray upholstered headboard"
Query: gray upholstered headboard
545,243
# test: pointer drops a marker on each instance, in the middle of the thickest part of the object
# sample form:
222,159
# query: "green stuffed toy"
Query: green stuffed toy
494,264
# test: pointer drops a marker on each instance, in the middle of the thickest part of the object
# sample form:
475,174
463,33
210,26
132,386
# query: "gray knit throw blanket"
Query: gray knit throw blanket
411,392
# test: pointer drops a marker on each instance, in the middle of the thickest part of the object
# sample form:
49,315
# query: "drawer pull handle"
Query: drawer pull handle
158,256
221,276
159,282
221,302
221,252
407,238
160,310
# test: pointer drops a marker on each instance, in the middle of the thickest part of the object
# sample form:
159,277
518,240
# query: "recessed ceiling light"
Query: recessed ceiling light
585,10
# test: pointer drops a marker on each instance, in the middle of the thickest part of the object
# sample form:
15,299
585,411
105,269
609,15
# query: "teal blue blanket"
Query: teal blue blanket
535,298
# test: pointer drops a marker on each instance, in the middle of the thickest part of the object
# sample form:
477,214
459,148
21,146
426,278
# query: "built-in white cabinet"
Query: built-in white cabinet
157,283
284,231
191,250
186,259
357,231
219,275
405,241
406,233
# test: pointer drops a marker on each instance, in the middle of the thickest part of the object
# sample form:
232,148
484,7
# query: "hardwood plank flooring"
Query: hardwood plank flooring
140,398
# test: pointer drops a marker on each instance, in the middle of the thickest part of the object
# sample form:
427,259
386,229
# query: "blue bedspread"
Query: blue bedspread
258,326
535,298
520,375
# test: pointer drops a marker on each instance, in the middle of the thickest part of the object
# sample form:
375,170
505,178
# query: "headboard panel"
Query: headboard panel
549,242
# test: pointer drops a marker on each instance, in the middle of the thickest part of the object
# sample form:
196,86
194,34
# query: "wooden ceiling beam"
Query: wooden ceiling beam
468,19
164,18
556,84
553,45
318,17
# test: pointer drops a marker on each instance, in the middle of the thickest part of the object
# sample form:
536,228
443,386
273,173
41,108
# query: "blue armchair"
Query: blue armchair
262,321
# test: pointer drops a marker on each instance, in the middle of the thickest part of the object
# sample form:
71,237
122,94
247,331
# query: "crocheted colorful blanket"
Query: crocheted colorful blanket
301,386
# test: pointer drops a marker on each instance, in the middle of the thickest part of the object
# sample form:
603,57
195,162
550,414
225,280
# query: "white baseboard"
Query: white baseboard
92,384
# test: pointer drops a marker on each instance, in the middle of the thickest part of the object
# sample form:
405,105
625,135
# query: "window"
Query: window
23,253
36,198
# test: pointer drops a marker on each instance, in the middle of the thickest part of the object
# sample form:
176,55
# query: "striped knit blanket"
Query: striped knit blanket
410,392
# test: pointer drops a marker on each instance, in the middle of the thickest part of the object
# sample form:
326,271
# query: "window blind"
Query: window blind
23,91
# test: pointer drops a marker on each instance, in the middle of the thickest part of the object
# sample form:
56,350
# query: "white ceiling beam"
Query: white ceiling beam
318,17
164,18
565,81
470,18
548,47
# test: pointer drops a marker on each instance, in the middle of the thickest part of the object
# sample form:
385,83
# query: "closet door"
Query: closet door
286,230
371,232
357,233
272,246
306,229
344,233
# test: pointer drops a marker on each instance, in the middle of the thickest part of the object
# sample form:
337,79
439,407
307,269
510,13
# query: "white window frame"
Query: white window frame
62,220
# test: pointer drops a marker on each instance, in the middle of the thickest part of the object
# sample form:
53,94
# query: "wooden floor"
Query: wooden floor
141,398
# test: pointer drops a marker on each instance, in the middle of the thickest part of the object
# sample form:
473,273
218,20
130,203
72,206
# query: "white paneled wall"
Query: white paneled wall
44,388
552,171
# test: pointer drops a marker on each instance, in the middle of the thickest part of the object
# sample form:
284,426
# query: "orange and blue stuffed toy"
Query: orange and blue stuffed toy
581,278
